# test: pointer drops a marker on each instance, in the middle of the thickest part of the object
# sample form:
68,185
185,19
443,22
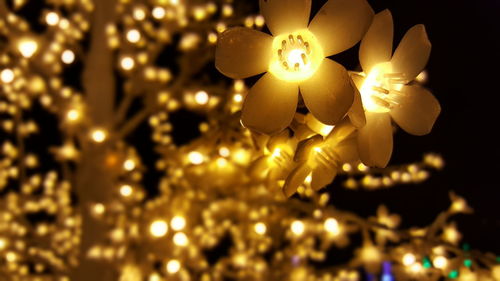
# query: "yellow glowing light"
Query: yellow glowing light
158,228
409,259
195,157
259,21
317,149
129,164
73,115
347,167
276,152
331,225
11,257
224,151
416,267
3,244
380,88
127,63
139,14
362,167
64,24
370,254
133,36
99,209
52,18
126,190
440,262
158,13
308,179
296,56
173,266
221,162
27,47
98,135
201,97
260,228
178,223
7,75
68,57
238,98
298,227
180,239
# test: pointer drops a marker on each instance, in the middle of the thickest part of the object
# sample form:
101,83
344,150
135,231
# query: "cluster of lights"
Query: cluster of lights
207,192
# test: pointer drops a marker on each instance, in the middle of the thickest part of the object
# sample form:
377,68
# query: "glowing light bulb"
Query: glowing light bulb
178,223
238,98
195,157
7,75
11,257
296,56
158,228
73,115
276,152
98,135
126,190
133,36
180,239
260,228
224,151
331,225
99,209
27,47
440,262
139,14
3,243
409,259
173,266
298,227
416,267
201,97
68,57
129,165
127,63
52,18
158,13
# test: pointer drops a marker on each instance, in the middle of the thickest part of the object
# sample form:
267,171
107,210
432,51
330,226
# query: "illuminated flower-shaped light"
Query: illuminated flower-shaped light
385,90
294,58
277,160
320,158
391,221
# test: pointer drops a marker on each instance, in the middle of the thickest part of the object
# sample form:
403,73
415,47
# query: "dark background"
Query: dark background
463,75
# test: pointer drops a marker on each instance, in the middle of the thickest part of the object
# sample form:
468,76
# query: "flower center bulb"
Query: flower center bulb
381,88
296,56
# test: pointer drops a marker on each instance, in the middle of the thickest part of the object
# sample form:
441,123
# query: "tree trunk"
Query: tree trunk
94,183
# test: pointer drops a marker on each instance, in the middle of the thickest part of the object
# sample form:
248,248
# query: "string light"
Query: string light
7,76
68,57
158,228
173,266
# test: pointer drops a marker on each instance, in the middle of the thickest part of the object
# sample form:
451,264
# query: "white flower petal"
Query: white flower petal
413,52
357,112
284,16
328,94
375,140
417,111
296,178
243,52
376,46
340,24
270,105
322,176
